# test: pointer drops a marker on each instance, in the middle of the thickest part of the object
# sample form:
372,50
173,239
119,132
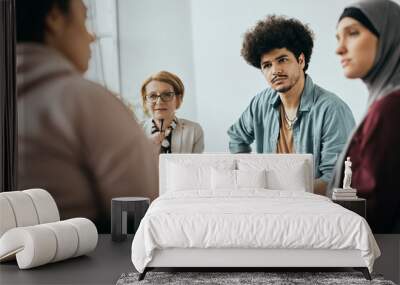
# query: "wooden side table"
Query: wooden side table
120,207
357,205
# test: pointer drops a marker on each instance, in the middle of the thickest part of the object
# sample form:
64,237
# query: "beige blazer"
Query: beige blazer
187,137
77,140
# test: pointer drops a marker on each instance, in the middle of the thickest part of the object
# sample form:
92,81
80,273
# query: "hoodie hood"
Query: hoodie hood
37,63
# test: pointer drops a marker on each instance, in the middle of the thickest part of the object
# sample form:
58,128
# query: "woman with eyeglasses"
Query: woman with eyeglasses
162,94
369,48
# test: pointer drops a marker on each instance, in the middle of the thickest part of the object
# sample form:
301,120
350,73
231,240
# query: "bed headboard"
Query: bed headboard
278,164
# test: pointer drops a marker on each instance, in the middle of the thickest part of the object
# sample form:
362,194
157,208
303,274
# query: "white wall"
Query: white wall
201,41
156,35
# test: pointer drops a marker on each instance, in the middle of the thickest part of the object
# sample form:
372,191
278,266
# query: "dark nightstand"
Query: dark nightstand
120,207
357,205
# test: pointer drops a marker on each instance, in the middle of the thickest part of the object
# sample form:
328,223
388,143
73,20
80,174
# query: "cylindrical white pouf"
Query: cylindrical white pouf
37,245
23,208
45,205
87,234
67,239
7,218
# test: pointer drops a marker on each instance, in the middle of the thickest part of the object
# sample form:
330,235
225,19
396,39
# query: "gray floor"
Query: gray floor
389,263
106,264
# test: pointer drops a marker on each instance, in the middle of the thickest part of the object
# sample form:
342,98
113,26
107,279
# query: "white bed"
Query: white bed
201,219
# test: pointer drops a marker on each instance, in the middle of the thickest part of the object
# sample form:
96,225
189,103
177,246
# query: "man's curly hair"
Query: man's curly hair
277,32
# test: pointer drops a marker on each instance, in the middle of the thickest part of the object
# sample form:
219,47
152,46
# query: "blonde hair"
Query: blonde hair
166,77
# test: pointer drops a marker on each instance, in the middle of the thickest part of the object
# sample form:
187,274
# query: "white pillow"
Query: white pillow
223,179
237,179
293,179
284,174
187,176
251,178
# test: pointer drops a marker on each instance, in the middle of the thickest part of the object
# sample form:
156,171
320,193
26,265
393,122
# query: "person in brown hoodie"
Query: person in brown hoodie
75,138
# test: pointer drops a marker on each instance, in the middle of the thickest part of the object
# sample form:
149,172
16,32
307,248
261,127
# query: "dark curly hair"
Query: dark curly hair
277,32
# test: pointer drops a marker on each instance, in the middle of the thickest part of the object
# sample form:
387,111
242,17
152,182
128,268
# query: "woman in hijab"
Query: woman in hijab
369,48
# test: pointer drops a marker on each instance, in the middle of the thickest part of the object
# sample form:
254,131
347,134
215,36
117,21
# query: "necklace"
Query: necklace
290,122
165,143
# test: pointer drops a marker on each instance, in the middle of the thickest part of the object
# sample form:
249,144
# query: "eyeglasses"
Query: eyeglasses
165,97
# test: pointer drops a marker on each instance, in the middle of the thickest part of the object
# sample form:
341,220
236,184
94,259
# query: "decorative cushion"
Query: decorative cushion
251,178
290,175
236,179
223,179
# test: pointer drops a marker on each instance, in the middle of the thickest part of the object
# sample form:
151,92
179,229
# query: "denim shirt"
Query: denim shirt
323,126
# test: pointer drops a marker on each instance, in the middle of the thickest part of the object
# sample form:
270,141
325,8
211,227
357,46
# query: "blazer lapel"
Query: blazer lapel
177,136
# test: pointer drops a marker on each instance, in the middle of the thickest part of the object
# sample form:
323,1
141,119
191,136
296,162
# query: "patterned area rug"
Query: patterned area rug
230,278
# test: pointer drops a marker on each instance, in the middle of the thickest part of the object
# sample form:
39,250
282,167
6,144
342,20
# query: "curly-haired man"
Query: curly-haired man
294,115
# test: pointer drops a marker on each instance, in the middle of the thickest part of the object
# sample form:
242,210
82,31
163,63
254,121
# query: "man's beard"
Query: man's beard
284,89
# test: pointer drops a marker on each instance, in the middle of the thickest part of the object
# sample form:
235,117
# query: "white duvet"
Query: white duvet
250,219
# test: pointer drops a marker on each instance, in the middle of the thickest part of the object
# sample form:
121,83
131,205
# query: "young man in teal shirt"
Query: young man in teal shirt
294,115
